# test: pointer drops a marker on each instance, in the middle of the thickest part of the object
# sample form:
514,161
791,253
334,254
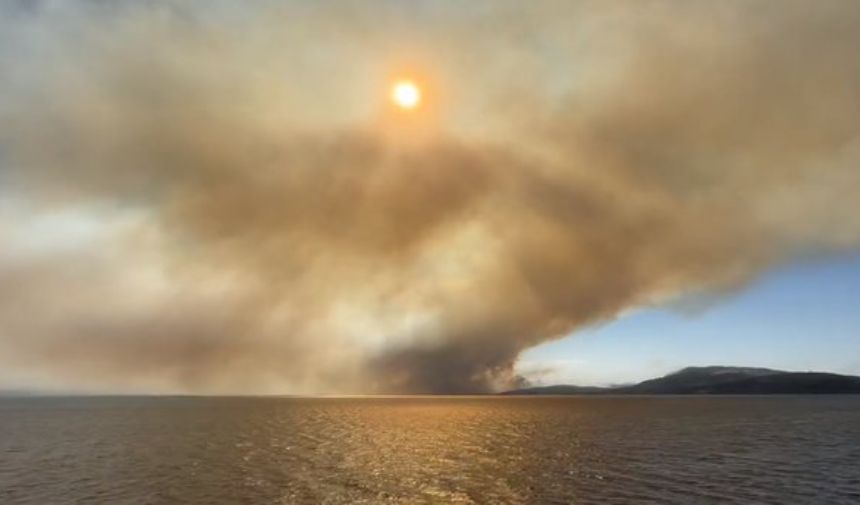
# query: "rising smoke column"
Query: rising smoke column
232,211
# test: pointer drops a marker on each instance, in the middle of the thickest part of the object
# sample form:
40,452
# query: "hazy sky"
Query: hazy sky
220,197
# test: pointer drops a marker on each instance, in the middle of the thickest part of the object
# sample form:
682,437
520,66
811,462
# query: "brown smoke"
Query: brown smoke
264,225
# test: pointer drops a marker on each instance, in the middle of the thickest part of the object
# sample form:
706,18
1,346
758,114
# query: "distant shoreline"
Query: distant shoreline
711,380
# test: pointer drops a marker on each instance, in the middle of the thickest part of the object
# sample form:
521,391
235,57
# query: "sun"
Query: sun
406,94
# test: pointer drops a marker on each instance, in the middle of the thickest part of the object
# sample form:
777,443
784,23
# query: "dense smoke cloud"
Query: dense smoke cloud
216,198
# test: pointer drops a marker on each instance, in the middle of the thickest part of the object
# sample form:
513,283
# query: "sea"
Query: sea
464,450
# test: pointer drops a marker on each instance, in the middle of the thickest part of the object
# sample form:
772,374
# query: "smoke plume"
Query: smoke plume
214,197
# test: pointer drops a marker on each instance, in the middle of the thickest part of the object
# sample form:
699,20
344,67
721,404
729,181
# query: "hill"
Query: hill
719,380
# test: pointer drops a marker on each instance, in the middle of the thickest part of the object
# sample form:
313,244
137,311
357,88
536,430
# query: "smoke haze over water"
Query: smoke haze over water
202,197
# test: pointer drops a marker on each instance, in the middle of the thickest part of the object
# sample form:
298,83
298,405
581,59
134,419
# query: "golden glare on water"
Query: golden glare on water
406,94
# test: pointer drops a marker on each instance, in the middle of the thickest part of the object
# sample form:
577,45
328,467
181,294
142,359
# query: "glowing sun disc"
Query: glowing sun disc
406,94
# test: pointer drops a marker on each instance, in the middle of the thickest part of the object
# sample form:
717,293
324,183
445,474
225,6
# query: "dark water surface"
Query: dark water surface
601,450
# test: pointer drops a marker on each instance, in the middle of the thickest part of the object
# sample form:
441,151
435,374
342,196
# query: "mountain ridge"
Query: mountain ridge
717,380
